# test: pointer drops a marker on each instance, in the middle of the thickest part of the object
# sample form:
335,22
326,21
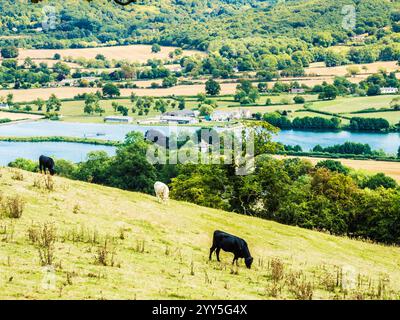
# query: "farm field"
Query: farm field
18,116
73,110
392,116
392,169
138,53
366,68
70,92
159,251
351,104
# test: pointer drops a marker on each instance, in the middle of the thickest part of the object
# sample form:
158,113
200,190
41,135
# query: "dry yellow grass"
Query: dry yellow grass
139,53
19,116
375,67
70,92
161,251
392,169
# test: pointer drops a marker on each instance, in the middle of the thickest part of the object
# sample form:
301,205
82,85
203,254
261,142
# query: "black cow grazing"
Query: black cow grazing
46,163
230,243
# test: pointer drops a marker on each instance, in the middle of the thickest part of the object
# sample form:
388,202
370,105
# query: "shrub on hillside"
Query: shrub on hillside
332,165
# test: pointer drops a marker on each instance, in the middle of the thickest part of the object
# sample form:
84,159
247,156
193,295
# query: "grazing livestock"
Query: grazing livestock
230,243
46,163
162,192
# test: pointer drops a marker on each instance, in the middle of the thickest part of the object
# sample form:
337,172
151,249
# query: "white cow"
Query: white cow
162,192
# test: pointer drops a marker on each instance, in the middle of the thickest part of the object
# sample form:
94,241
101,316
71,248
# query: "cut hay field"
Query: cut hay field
392,169
19,116
70,92
138,53
156,251
367,68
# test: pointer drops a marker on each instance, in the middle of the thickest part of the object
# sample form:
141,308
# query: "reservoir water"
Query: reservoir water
74,152
388,142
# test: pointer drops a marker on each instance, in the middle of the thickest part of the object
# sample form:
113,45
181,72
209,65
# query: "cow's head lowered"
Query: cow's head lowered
248,261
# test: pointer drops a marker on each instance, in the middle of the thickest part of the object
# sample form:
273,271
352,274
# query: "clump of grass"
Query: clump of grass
273,289
277,269
303,290
7,232
76,209
44,237
44,182
192,268
298,285
12,206
17,175
105,254
328,282
121,233
140,246
82,234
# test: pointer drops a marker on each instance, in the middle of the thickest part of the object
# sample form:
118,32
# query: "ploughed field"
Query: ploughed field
104,243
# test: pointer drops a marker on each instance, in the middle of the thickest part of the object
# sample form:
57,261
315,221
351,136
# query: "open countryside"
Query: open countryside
88,102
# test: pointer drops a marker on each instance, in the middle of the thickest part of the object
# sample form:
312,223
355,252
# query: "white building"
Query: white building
297,90
4,106
389,90
178,120
230,115
118,119
182,113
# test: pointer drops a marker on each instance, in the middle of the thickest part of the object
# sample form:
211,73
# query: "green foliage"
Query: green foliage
24,164
368,124
53,104
111,90
379,180
202,184
299,99
9,52
213,88
246,93
332,165
346,148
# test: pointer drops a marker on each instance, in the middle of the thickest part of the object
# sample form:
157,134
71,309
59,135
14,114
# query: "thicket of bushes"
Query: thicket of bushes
319,123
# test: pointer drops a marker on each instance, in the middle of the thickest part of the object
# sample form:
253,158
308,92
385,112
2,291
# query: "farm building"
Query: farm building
4,106
297,90
118,119
389,90
178,119
228,116
182,113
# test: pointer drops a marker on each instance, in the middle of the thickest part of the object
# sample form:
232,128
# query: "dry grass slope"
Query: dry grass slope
105,243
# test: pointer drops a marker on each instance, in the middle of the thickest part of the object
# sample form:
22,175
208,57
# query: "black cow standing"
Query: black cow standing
230,243
46,163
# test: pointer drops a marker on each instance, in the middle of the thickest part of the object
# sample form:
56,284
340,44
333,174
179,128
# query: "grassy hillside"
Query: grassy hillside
162,251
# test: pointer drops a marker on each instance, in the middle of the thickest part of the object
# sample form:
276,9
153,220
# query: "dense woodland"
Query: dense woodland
245,34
